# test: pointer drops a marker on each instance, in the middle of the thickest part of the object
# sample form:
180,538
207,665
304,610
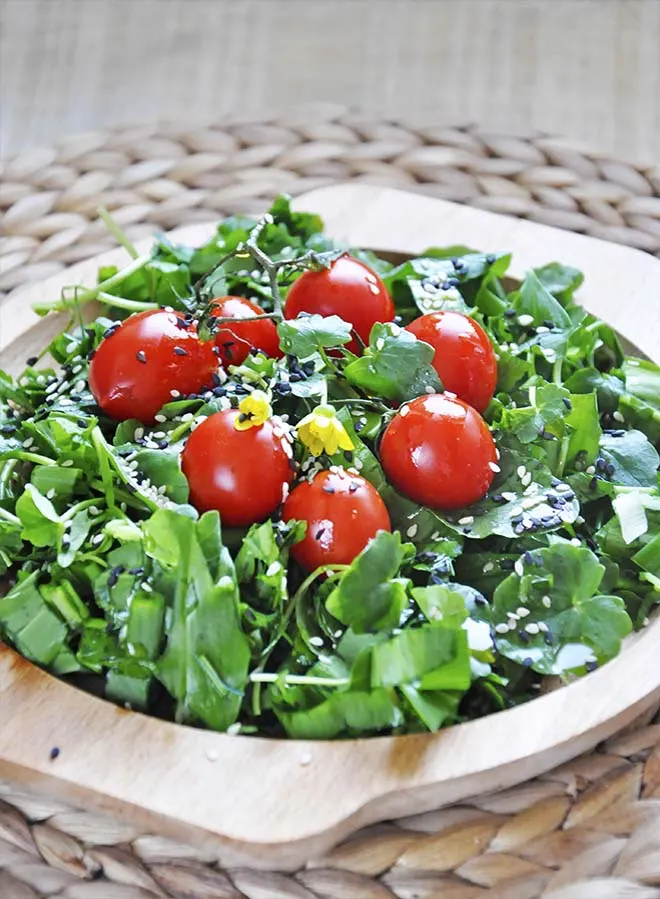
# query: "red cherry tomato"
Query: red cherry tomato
464,357
439,452
243,474
236,340
348,289
343,512
136,367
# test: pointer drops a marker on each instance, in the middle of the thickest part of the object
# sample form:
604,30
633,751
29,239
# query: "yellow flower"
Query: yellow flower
254,411
321,431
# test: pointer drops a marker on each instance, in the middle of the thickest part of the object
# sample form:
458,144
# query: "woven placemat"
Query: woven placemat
587,830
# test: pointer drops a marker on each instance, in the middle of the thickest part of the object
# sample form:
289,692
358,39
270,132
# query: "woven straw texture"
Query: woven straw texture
588,830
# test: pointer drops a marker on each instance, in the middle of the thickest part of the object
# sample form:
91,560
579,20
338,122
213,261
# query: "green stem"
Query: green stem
92,293
124,303
263,677
8,516
32,457
563,456
86,503
117,232
557,370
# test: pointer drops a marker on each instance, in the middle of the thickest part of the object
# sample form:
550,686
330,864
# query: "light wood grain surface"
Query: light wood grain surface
277,803
587,69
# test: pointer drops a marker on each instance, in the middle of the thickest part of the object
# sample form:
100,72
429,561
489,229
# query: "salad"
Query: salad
288,487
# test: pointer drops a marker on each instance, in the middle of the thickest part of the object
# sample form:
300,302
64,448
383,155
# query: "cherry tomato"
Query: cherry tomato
139,365
348,289
236,340
438,451
464,357
343,512
245,475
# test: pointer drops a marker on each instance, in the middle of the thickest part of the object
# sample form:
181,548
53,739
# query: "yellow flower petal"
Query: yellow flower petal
254,410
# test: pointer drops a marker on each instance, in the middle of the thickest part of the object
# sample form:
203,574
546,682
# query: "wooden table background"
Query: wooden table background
587,69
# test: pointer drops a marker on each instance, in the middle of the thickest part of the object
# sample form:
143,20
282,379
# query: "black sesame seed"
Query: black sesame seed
109,331
490,259
239,388
295,377
32,360
319,533
328,489
550,325
498,498
567,403
516,519
591,666
138,571
283,388
91,355
480,601
593,483
163,444
527,663
528,558
53,754
523,636
7,429
348,455
216,350
131,488
113,577
446,285
219,391
358,426
609,469
509,313
66,539
81,423
141,356
549,639
600,464
179,351
506,564
353,486
215,377
308,367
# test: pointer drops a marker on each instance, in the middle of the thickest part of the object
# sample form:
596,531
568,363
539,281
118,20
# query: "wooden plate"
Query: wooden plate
274,803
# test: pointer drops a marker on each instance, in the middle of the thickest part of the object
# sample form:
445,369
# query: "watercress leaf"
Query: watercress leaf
440,602
560,280
521,500
305,335
433,709
567,623
163,469
369,596
435,652
608,387
62,481
643,380
205,662
535,299
352,713
395,365
585,432
635,460
27,621
42,525
546,412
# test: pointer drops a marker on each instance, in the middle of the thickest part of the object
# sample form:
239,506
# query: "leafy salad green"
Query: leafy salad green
114,582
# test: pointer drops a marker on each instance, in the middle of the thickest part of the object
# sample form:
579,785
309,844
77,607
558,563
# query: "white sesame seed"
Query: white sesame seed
521,471
467,519
79,386
316,641
162,489
513,618
590,469
306,759
96,539
51,493
546,601
435,535
494,467
138,434
522,612
532,628
489,566
516,510
519,568
273,568
403,411
147,587
65,401
285,491
526,479
412,531
429,389
509,496
501,628
67,463
28,443
542,329
525,320
543,627
617,416
160,418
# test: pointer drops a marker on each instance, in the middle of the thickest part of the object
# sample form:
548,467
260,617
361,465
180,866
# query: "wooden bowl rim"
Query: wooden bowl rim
275,803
